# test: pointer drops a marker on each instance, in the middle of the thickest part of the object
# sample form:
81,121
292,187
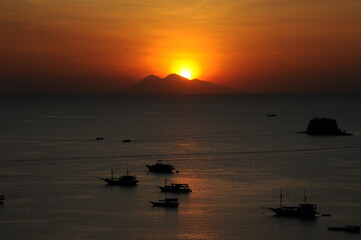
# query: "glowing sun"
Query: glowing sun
186,73
186,68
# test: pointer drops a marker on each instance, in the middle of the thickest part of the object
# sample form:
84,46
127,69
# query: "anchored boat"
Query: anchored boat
126,180
175,187
353,229
305,210
167,202
161,167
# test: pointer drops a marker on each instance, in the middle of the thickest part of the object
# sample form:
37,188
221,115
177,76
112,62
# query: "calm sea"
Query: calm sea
232,155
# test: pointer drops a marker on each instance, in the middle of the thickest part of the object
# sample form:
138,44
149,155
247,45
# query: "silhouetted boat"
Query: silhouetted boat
126,140
305,210
161,167
2,198
99,138
354,229
271,115
167,202
126,180
175,188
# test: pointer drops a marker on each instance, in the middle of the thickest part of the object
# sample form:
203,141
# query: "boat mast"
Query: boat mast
111,172
304,195
280,197
165,182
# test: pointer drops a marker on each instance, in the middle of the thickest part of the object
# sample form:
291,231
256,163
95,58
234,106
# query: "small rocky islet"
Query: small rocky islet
325,127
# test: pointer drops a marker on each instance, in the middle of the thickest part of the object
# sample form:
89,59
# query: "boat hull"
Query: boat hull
293,213
174,190
163,204
160,169
167,202
116,181
352,229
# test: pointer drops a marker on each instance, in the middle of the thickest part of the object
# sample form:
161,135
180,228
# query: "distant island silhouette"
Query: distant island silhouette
325,126
174,84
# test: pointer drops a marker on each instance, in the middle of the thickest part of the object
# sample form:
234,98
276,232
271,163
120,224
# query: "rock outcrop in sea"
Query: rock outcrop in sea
325,126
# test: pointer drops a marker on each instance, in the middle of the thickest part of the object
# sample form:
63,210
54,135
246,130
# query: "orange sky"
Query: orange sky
77,46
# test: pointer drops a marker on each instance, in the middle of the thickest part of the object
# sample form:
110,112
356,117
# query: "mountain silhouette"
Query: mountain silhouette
174,84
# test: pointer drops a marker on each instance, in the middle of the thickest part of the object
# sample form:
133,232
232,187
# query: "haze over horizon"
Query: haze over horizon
92,47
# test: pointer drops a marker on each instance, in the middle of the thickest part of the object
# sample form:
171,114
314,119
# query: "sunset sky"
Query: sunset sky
255,46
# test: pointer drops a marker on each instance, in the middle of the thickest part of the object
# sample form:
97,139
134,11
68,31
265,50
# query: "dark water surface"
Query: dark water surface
234,158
